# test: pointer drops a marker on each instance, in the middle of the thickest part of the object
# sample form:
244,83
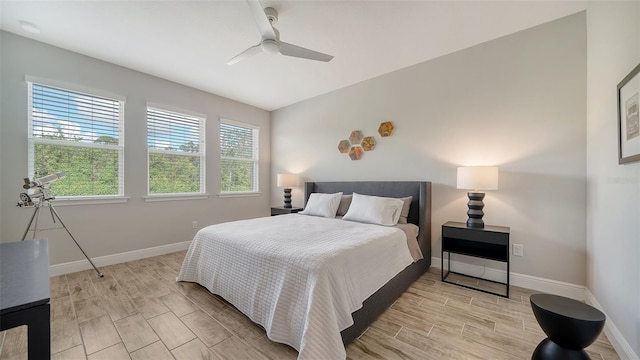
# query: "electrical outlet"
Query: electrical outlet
518,250
194,225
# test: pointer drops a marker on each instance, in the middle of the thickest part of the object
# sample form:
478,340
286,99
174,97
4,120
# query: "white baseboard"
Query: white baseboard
79,265
614,335
526,281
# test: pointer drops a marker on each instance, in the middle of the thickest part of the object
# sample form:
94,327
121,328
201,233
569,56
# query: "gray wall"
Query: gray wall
115,228
518,102
613,191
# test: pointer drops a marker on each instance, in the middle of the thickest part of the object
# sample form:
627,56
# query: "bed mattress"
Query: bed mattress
298,276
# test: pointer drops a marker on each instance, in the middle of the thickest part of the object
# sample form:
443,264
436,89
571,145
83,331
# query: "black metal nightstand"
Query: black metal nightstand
490,242
279,210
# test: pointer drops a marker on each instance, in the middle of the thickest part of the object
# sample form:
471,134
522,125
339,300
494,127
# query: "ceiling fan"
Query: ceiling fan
270,43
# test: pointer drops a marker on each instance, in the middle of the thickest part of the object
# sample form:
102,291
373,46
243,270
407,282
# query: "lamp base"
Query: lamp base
475,212
287,198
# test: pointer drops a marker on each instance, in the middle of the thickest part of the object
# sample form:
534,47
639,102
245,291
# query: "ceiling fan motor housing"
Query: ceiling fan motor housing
270,46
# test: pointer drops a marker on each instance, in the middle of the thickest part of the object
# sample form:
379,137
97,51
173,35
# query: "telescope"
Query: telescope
43,180
41,198
40,190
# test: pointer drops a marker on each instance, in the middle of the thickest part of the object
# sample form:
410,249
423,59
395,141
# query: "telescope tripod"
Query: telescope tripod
54,216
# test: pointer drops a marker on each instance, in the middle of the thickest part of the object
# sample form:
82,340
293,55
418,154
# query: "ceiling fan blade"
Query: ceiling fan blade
245,54
264,25
297,51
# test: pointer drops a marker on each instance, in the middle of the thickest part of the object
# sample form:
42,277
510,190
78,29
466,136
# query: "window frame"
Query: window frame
202,120
255,160
33,140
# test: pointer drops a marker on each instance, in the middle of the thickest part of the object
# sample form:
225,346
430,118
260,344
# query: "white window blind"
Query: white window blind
176,148
238,157
79,134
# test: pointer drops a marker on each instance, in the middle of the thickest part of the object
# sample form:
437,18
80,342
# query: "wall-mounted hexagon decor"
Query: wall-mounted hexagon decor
343,146
356,137
355,153
368,143
385,129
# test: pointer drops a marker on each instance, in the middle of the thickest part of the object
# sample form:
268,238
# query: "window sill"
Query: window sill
90,200
239,194
175,197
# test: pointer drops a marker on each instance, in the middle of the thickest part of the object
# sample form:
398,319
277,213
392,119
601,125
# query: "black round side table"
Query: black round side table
569,324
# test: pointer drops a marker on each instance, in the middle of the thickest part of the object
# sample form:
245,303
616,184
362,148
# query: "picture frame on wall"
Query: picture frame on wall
629,118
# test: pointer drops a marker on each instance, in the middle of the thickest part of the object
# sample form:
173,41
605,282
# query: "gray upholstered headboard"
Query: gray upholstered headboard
419,212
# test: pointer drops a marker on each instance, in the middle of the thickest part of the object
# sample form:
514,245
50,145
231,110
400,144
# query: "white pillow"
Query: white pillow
324,205
374,210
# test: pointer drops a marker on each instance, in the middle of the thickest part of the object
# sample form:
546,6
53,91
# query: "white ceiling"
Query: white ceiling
189,42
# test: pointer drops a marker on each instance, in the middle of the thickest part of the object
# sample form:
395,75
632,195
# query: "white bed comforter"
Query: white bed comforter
298,276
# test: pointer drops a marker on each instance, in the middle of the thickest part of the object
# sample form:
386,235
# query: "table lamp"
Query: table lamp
477,178
287,181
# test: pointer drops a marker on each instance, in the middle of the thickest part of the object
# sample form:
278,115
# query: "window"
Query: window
79,134
238,157
175,144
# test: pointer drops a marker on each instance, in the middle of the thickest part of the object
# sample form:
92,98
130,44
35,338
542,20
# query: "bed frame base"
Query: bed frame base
382,299
419,214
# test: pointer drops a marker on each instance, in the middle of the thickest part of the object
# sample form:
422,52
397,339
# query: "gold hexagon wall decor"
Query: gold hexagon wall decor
356,137
355,153
343,146
386,129
368,143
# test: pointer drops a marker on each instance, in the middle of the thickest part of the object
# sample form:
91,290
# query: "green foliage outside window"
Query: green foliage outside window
170,173
236,175
89,171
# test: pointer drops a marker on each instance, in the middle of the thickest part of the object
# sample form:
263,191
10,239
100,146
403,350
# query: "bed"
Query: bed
295,286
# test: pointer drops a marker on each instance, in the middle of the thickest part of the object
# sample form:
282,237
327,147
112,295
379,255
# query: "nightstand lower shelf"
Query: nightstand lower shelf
490,242
446,274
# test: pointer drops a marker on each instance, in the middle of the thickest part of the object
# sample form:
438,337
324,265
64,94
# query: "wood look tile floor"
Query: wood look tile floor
138,311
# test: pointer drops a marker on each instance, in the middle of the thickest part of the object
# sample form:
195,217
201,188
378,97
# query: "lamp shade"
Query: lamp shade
478,178
287,180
